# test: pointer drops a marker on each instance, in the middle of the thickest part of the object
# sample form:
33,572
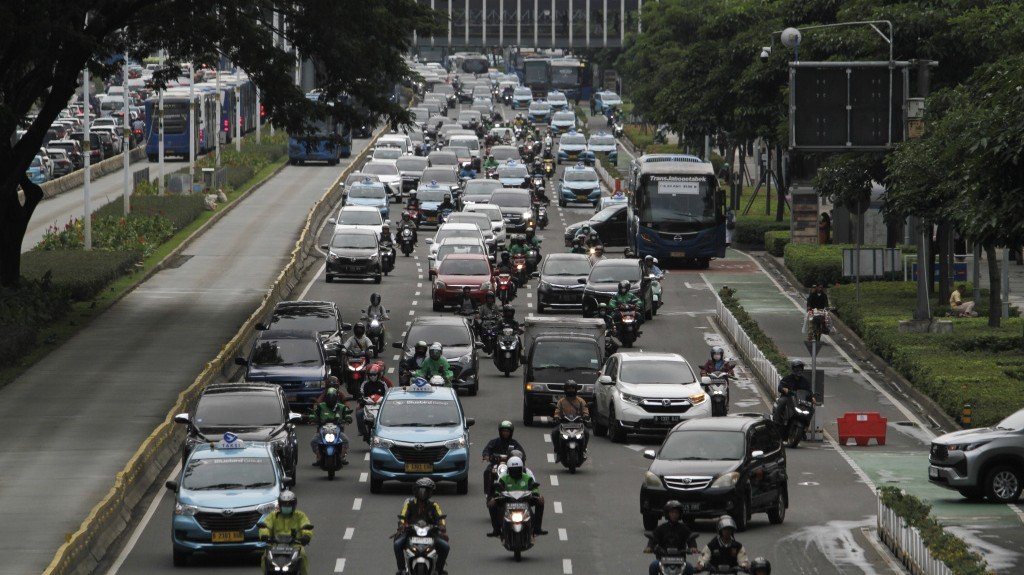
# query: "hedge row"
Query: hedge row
943,545
753,330
976,363
83,274
750,229
23,311
775,242
181,210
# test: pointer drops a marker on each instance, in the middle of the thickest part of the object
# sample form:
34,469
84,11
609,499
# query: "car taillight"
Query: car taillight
263,111
227,126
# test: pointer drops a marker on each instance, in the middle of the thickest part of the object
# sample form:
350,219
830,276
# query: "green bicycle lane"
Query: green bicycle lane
994,530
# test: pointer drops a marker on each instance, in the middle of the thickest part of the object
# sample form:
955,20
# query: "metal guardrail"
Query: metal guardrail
906,544
752,354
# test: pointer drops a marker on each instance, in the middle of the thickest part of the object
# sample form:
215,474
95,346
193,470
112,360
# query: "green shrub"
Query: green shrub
23,310
16,342
750,229
82,273
753,330
812,263
179,210
775,242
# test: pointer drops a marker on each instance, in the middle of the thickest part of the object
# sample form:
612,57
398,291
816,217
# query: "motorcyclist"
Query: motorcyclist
760,566
358,342
490,163
374,384
547,154
651,266
817,299
579,245
288,520
548,141
504,265
385,234
467,171
571,404
717,362
516,479
531,239
788,386
416,508
330,410
624,296
446,204
376,309
467,306
491,310
537,167
504,444
435,364
594,240
407,223
724,549
518,246
413,363
413,203
508,319
673,533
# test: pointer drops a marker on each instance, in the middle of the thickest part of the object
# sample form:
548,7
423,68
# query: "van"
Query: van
558,349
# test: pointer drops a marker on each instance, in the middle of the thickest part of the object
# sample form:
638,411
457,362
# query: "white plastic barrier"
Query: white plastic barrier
906,543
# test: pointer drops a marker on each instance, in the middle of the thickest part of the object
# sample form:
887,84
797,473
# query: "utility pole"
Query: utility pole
126,140
220,112
192,132
160,142
87,145
923,310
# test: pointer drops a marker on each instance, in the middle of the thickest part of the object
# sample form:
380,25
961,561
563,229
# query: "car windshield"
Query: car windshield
494,214
482,222
229,473
468,143
540,107
605,274
602,141
387,153
381,169
446,158
419,413
459,151
574,355
656,371
367,192
354,241
513,172
447,335
502,154
567,267
461,267
511,199
564,116
413,164
606,214
482,186
285,352
1013,422
448,249
431,195
581,175
359,218
556,97
448,232
440,174
573,140
241,409
703,446
318,320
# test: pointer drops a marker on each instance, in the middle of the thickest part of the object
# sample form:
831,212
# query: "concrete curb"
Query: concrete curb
76,179
85,548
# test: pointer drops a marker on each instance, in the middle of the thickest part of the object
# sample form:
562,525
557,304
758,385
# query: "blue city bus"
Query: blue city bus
328,140
676,210
537,75
572,77
176,127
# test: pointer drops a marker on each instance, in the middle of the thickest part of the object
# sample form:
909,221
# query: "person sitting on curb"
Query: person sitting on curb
958,306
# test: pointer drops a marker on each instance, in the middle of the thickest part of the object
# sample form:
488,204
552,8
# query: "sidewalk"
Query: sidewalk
903,461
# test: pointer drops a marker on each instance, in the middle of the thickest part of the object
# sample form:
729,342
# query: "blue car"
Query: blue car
293,359
513,174
225,489
37,172
571,147
369,193
420,431
539,112
430,196
579,184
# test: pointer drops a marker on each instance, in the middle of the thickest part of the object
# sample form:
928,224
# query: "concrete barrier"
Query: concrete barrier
76,179
85,548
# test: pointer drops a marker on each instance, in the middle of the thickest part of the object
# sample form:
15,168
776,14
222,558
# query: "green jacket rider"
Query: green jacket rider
623,296
435,364
286,520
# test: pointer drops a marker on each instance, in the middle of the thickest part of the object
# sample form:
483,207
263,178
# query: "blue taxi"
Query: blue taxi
579,184
420,431
572,147
225,489
616,198
369,193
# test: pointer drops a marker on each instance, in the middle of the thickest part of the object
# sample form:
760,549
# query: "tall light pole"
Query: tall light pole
87,145
191,126
160,135
220,113
126,140
259,116
238,118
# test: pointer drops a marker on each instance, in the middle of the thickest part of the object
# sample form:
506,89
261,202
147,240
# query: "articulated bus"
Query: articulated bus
176,127
329,140
676,209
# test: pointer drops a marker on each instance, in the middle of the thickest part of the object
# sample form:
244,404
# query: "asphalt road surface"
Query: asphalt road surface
593,516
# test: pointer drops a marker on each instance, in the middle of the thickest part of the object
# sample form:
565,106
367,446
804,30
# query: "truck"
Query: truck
555,350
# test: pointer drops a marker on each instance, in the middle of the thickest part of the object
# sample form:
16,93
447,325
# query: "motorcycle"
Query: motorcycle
542,215
517,522
497,467
282,554
532,259
407,241
549,167
617,129
656,291
387,257
330,445
579,248
519,265
794,429
371,407
506,354
357,363
375,330
817,324
716,385
414,215
672,560
488,335
506,288
573,446
419,552
626,326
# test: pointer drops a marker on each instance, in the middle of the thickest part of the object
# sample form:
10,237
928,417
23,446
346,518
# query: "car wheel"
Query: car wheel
972,493
599,429
742,514
180,558
378,278
540,307
527,415
616,432
561,203
777,514
474,389
648,314
1003,484
438,306
376,484
651,521
328,279
462,486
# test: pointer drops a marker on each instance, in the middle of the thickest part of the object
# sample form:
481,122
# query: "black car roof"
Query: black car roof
287,334
727,423
242,387
310,307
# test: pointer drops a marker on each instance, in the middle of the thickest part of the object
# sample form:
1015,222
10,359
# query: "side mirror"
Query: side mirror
535,275
294,417
262,327
307,526
397,345
478,345
362,311
182,418
581,281
346,326
605,380
705,380
241,361
288,481
171,486
430,241
470,422
325,247
534,485
333,221
756,454
650,454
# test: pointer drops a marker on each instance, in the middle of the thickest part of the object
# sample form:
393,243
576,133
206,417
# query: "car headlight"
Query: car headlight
185,510
381,443
698,398
727,480
267,508
633,399
313,383
374,257
459,443
439,285
331,256
527,215
543,287
652,480
966,446
536,387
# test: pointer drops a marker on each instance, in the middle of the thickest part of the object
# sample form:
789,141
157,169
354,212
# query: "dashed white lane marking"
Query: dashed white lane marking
339,565
363,476
349,532
415,303
419,285
563,535
554,481
551,458
408,323
567,566
417,293
357,504
547,438
529,294
395,358
391,370
366,457
558,507
636,447
529,304
412,312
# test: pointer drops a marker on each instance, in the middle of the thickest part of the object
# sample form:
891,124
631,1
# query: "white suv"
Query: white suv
646,394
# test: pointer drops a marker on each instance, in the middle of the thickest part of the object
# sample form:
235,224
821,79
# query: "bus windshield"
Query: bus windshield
676,203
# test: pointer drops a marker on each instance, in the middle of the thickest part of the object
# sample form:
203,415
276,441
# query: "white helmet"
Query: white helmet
437,381
514,462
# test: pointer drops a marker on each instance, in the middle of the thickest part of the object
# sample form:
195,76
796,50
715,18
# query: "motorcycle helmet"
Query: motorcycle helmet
515,467
530,233
505,257
359,330
508,312
405,216
287,502
517,453
726,523
375,297
333,381
386,228
717,350
624,286
594,238
760,566
628,253
796,366
672,505
598,250
375,372
447,198
437,381
424,488
648,260
332,397
435,350
421,348
571,388
506,426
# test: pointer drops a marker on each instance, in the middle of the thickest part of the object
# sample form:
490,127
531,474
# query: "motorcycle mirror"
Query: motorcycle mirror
534,485
307,526
756,454
288,481
535,275
430,241
346,326
397,345
332,221
324,246
470,422
241,361
182,418
705,379
362,311
171,485
650,454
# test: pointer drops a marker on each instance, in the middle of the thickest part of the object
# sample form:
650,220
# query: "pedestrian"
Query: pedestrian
730,226
825,229
958,305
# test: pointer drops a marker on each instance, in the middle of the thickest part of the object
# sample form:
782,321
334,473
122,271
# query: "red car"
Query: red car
458,271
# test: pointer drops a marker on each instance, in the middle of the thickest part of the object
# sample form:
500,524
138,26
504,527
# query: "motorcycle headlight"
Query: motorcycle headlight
635,400
313,384
517,516
185,510
527,215
698,398
800,411
381,443
330,437
267,508
536,387
652,480
459,443
727,480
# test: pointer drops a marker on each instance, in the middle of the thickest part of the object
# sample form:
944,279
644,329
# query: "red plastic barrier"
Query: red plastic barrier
862,426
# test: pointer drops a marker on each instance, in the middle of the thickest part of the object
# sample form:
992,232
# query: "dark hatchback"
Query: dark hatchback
292,359
559,287
733,465
353,253
323,317
252,411
609,223
603,283
455,334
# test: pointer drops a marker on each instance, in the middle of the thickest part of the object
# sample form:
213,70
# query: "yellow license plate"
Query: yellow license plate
581,197
228,537
431,218
678,254
419,467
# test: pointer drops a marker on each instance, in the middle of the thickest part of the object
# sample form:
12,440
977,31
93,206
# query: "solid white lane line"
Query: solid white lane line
363,476
554,481
558,507
142,524
357,504
551,458
349,532
563,535
312,280
339,565
567,566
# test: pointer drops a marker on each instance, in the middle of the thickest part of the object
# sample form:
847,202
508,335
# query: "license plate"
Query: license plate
421,541
666,418
933,471
431,218
691,506
678,254
581,197
228,537
508,354
419,467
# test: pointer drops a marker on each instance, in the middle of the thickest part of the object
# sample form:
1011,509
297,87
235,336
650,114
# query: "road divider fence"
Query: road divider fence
906,543
764,369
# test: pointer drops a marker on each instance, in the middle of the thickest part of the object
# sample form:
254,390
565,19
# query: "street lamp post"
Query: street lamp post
192,132
87,145
126,140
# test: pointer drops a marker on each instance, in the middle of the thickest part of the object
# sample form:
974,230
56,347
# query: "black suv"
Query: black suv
456,335
733,465
323,317
603,283
293,359
252,411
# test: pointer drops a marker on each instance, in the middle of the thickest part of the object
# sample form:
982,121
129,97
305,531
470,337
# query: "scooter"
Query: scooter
375,331
506,288
419,552
532,259
488,335
617,129
716,385
574,443
387,257
542,215
549,167
656,292
506,354
371,407
626,327
519,265
283,553
794,429
517,523
672,560
407,241
356,364
330,445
